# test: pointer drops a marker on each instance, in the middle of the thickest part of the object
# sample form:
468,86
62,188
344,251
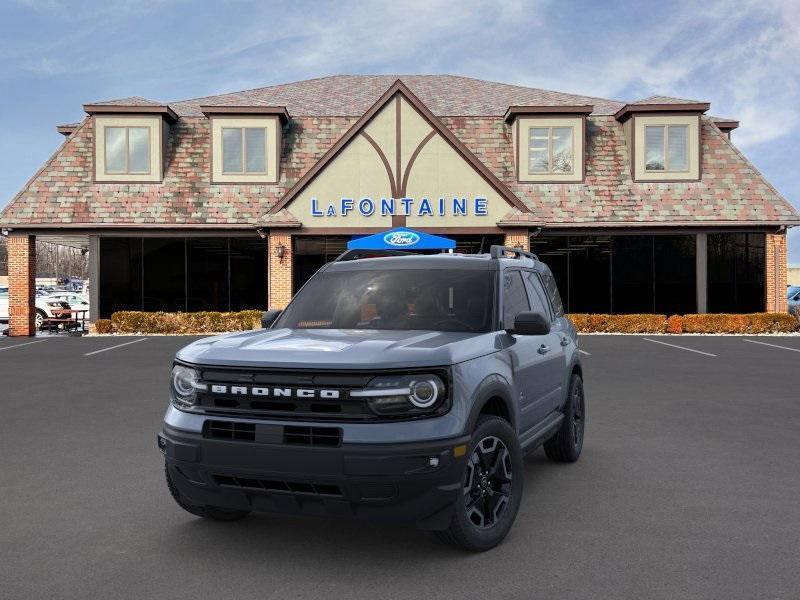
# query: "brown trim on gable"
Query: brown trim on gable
629,109
514,111
411,160
398,145
279,111
131,109
384,160
399,87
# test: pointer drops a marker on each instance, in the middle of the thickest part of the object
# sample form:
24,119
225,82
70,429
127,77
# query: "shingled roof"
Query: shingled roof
731,191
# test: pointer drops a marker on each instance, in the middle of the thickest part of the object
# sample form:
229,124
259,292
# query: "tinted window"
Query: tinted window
394,299
515,299
536,294
552,292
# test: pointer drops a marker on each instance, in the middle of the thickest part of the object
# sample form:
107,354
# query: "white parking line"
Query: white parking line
20,345
771,345
584,352
680,347
113,347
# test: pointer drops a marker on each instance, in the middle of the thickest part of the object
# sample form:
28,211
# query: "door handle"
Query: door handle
543,349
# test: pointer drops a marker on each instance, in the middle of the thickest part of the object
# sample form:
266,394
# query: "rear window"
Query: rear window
397,299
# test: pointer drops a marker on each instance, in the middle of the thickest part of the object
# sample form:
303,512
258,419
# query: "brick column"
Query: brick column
21,284
775,273
280,270
517,238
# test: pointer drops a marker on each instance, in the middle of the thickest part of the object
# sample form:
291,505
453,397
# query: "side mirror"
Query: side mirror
531,323
268,318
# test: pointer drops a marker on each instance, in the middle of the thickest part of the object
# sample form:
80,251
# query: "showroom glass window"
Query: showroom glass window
127,150
182,274
736,265
666,148
550,150
244,150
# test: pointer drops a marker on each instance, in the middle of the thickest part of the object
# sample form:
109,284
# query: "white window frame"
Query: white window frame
550,170
244,171
665,148
127,129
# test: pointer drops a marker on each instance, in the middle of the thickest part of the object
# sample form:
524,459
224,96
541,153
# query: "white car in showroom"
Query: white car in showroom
47,307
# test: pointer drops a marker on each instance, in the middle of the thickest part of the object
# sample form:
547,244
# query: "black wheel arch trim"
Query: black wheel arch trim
494,386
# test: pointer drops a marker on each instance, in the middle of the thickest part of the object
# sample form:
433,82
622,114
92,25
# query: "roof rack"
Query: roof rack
500,252
357,254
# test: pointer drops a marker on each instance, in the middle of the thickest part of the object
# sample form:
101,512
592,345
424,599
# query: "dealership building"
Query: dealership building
233,201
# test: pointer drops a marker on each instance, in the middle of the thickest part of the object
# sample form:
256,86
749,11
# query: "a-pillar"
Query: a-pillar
517,238
21,284
279,260
776,273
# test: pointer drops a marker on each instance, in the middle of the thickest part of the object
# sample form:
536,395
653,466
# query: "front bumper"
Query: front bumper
406,482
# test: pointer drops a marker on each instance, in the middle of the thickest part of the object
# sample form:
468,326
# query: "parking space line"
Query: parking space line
20,345
771,345
584,352
114,347
680,347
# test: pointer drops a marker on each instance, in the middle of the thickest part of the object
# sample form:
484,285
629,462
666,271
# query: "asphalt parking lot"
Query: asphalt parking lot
688,487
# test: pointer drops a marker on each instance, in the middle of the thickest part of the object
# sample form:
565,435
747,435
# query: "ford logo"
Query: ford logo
401,238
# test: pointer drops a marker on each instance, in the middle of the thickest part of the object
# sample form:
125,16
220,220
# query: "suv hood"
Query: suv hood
339,348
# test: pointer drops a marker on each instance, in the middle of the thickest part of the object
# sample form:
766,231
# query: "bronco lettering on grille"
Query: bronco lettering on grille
274,392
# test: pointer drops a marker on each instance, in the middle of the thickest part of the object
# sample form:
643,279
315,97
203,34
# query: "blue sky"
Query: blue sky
56,55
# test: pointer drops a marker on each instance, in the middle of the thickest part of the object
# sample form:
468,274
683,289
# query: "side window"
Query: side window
537,295
552,293
515,298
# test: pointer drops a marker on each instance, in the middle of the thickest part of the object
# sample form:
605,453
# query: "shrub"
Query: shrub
619,323
103,326
197,322
675,324
746,323
706,323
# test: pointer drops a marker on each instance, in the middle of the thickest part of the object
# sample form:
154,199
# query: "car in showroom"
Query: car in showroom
399,388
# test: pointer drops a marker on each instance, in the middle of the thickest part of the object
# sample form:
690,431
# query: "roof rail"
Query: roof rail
357,254
501,251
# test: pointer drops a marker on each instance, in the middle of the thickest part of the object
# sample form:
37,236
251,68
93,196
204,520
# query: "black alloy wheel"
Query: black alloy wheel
487,486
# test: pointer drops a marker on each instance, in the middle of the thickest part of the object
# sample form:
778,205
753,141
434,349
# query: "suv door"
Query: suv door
531,359
560,338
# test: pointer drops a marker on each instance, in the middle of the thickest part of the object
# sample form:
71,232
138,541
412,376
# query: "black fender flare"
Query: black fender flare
494,386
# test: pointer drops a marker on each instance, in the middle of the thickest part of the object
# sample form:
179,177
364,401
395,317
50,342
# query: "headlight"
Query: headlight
185,384
399,395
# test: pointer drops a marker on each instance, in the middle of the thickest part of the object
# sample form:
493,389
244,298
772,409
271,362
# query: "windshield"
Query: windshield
437,300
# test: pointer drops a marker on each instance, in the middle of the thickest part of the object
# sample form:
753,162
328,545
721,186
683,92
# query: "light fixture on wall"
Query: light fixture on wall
280,252
5,232
261,233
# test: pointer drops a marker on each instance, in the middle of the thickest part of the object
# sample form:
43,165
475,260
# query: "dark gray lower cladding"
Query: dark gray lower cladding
182,274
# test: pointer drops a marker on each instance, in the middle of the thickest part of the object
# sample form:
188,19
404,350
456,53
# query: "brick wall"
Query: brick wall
517,238
280,271
776,273
21,284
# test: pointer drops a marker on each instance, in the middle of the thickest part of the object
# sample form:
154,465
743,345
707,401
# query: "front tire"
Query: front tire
39,318
491,489
567,443
214,513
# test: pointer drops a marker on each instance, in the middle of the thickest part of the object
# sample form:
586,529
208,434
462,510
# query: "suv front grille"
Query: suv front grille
273,434
286,487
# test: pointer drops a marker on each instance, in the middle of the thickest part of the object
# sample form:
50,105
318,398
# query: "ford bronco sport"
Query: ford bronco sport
401,388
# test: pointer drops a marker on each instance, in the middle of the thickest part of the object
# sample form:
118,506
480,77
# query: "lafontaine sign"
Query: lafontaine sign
422,207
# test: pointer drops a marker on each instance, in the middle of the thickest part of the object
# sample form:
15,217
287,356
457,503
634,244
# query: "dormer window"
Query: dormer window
244,150
666,148
127,150
550,150
245,143
548,142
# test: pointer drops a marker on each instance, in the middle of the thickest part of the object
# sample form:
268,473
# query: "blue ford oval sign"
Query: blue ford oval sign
401,238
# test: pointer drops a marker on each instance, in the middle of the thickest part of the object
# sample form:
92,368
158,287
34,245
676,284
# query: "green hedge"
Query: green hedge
197,322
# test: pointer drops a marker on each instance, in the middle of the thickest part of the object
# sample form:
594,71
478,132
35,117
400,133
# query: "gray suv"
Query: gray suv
398,388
